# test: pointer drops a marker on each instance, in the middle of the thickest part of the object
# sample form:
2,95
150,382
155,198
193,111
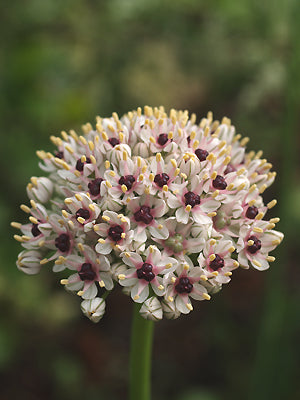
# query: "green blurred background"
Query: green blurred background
64,62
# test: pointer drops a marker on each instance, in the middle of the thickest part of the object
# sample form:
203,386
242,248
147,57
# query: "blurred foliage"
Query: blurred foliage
62,63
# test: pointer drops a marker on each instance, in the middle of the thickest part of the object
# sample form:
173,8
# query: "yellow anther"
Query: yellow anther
34,180
141,177
195,144
188,208
80,293
214,175
69,148
252,188
230,186
186,267
83,158
183,175
160,226
259,216
33,204
65,214
257,230
206,296
244,141
93,159
91,145
228,273
136,297
236,138
272,203
231,249
177,171
173,279
212,257
262,188
215,194
78,197
108,184
80,247
170,135
241,171
254,175
104,135
18,238
83,140
105,218
212,214
270,258
64,281
206,131
112,173
124,188
274,220
189,306
16,225
170,299
96,228
44,261
152,139
212,242
235,264
125,156
71,224
77,173
165,188
123,235
276,242
215,273
203,278
124,220
81,220
250,242
257,263
144,169
158,157
169,265
151,177
128,255
102,241
33,220
173,162
252,202
107,164
270,226
101,283
241,186
221,144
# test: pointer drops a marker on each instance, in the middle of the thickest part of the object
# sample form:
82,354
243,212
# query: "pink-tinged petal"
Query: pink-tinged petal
142,290
90,293
103,248
262,261
173,201
209,205
133,261
182,215
160,208
223,246
243,260
200,218
181,302
157,233
198,291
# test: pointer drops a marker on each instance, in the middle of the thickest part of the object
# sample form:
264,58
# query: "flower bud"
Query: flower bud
29,262
40,189
151,309
169,309
94,309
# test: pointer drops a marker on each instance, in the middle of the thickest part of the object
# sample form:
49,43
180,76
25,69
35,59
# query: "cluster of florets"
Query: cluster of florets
163,206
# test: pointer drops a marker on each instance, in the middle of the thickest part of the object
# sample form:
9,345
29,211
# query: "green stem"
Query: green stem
140,357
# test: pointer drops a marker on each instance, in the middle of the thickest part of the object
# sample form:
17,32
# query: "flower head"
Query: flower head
155,202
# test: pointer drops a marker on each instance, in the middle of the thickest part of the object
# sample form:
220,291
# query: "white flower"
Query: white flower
152,309
153,201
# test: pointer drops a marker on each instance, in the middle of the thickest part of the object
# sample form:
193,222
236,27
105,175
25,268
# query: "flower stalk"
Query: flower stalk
140,356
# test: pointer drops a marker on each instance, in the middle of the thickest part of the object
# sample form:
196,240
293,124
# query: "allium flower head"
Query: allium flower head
155,202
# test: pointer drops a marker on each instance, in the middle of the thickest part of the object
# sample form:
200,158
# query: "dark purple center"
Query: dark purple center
94,186
80,164
191,199
115,232
145,272
251,212
229,168
217,263
161,179
201,154
86,272
184,285
114,141
256,245
162,139
83,213
59,154
62,242
127,180
219,183
143,215
35,230
188,139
